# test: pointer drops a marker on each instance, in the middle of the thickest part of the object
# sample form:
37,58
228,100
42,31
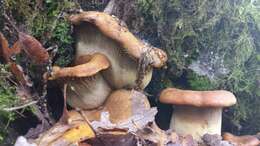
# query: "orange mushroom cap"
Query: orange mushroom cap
93,64
220,98
111,27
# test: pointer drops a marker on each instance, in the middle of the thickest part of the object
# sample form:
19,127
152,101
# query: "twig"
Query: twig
11,23
19,107
65,113
110,6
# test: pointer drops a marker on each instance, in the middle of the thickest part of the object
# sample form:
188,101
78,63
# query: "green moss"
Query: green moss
46,21
8,98
197,82
216,34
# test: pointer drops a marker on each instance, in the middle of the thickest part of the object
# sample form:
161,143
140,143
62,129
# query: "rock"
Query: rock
22,141
215,140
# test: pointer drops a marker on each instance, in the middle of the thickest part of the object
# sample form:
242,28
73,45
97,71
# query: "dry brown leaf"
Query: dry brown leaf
84,144
4,48
16,48
245,140
114,140
33,48
75,131
17,71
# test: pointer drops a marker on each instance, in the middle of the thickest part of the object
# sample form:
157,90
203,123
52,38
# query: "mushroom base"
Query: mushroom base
196,121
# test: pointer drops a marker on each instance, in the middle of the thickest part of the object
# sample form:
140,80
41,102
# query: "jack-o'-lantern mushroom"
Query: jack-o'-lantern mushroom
101,32
87,89
197,112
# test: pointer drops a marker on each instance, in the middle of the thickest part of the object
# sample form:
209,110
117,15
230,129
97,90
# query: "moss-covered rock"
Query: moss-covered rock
212,45
8,99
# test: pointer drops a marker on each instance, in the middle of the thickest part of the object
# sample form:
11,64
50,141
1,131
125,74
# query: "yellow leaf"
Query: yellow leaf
78,133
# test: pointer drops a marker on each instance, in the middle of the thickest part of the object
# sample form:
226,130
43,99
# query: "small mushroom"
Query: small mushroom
87,89
127,105
101,32
197,112
246,140
121,105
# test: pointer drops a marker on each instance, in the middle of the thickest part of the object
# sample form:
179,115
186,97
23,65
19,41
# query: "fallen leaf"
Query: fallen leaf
33,48
16,48
75,131
52,134
113,140
4,48
18,72
7,52
78,133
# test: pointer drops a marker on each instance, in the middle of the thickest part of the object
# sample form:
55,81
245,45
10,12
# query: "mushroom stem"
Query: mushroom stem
196,121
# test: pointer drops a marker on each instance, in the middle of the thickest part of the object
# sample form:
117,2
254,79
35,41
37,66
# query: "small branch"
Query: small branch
11,23
19,107
110,6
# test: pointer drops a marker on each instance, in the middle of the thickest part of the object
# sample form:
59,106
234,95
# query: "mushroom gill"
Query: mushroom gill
87,89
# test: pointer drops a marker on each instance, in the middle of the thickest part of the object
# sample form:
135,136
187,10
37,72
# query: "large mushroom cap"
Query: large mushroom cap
112,28
130,58
218,98
88,65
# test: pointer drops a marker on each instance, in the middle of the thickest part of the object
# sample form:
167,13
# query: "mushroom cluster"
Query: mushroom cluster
109,58
110,61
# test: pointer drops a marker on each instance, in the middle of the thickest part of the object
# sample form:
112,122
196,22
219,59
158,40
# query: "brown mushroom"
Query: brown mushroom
197,112
246,140
101,32
126,106
87,89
